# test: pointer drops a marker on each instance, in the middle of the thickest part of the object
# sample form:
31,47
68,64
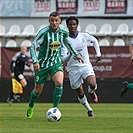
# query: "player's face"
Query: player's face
54,22
72,26
23,49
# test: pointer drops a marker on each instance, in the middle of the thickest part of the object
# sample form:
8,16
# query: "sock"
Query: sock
90,90
130,86
57,95
33,97
85,103
11,97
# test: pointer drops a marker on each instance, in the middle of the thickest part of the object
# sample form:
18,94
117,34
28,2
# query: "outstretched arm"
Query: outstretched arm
35,44
97,49
72,50
65,53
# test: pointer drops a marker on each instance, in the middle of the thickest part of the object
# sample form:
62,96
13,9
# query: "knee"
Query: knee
81,95
24,85
23,82
59,83
38,90
93,86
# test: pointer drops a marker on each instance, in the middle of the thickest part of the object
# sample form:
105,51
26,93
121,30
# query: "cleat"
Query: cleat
30,112
90,113
16,97
94,97
10,101
124,89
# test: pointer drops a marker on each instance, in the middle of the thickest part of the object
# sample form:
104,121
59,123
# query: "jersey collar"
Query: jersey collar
74,36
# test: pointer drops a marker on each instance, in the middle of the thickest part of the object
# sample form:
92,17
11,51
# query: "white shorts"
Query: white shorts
77,74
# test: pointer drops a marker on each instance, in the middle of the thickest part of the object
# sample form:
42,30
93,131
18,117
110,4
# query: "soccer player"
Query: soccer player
126,85
49,59
81,71
17,65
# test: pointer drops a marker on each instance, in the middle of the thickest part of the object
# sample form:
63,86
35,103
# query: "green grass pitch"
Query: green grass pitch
109,118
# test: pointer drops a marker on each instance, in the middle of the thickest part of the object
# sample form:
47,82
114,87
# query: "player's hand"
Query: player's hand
36,67
79,58
98,59
12,75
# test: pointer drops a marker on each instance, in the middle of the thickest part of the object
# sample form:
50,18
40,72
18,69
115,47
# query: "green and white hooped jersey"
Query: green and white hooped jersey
49,43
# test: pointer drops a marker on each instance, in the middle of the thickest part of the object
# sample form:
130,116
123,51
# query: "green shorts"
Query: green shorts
41,76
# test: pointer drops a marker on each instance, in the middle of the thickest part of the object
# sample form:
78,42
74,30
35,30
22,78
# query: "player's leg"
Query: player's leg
20,78
56,72
76,81
130,86
23,82
16,96
83,100
58,90
89,76
91,80
33,97
40,78
10,99
125,87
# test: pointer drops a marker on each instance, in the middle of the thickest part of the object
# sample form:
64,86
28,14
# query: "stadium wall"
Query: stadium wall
108,91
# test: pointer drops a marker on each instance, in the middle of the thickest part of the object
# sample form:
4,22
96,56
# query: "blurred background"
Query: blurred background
110,21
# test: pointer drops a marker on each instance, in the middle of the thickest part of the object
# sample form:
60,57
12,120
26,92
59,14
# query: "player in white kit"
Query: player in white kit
81,71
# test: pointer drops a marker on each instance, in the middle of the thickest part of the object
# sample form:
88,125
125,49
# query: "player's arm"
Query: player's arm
131,50
27,62
12,65
65,53
72,50
97,48
35,44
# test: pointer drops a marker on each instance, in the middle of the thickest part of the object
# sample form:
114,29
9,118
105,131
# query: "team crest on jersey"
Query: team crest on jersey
54,45
83,40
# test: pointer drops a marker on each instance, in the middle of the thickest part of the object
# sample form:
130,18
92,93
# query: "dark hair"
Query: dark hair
54,14
72,18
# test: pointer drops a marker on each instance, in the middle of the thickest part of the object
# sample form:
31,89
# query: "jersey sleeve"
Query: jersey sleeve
68,44
27,61
35,44
93,40
65,53
12,62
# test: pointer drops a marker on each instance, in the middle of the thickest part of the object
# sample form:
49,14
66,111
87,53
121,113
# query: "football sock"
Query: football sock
57,95
11,97
85,103
130,86
90,90
33,98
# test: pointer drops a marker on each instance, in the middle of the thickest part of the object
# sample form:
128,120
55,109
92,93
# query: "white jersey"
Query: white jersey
79,42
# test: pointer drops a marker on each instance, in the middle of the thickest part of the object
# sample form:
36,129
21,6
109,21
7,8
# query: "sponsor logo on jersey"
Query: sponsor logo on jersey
83,40
54,45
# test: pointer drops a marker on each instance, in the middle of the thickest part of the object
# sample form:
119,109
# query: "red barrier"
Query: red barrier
115,62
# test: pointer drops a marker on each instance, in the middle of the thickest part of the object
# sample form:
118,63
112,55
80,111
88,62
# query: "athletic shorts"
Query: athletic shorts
78,74
18,76
41,76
